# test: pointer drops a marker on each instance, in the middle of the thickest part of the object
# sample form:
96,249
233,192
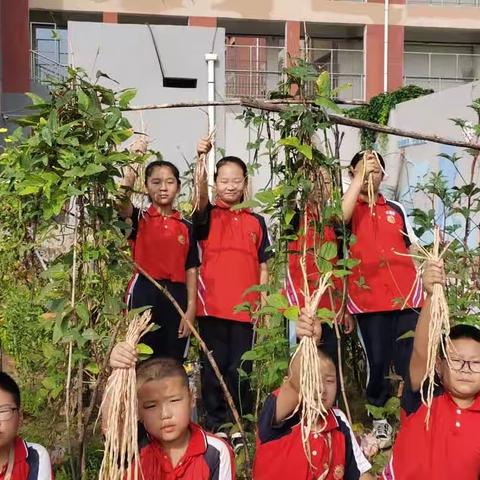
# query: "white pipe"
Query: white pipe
211,58
385,46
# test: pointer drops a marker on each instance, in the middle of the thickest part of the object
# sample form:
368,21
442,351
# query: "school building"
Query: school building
430,43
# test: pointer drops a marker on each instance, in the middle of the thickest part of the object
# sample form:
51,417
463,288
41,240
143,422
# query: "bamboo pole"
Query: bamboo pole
280,105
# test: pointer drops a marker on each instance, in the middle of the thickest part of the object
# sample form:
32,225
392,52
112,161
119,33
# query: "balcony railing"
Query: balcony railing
45,69
254,71
440,70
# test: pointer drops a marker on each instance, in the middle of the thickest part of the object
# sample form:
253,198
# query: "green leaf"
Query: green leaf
289,142
246,204
289,214
267,197
323,84
126,96
328,250
83,100
277,300
325,314
137,311
93,368
306,151
409,334
143,349
292,313
250,355
93,169
82,312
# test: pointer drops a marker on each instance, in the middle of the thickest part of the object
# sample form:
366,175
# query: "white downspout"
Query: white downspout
211,58
385,46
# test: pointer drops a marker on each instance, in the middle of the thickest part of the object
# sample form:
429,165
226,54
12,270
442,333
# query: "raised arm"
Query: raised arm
201,183
124,205
288,395
418,362
351,195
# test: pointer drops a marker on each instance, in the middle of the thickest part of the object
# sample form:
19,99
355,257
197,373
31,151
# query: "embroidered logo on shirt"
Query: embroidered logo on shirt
181,239
338,472
253,236
390,219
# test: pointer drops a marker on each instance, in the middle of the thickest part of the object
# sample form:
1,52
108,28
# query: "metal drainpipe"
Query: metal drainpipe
385,46
211,58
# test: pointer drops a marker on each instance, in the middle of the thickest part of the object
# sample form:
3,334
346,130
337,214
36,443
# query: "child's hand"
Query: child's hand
204,146
183,328
371,165
348,323
129,177
123,356
307,326
433,273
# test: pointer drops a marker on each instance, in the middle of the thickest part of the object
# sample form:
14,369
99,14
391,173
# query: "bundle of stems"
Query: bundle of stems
371,189
439,327
311,385
121,455
200,174
139,147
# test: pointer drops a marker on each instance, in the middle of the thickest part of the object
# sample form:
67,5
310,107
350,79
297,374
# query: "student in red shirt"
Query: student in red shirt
450,448
171,446
384,294
233,246
164,246
19,460
311,243
335,453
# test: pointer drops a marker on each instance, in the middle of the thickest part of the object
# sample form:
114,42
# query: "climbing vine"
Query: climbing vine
378,111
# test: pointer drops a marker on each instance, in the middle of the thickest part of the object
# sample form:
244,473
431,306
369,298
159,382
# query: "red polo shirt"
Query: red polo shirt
207,458
164,246
280,452
294,281
383,280
233,244
448,450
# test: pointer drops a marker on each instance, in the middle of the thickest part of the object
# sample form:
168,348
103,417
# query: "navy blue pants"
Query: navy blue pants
164,341
228,340
379,332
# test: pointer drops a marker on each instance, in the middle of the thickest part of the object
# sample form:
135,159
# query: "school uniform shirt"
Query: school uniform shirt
31,462
448,450
385,279
163,246
294,282
206,458
233,244
334,451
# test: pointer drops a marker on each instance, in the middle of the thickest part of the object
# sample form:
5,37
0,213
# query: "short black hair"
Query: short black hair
162,163
359,156
158,368
9,385
324,353
237,161
464,330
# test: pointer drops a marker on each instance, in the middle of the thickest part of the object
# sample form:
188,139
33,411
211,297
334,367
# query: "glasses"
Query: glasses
458,364
6,414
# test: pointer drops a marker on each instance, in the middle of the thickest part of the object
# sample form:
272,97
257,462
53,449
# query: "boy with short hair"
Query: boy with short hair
19,460
450,448
383,292
335,453
171,445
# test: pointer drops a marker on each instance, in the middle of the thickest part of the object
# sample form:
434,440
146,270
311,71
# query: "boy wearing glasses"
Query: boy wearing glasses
450,447
19,460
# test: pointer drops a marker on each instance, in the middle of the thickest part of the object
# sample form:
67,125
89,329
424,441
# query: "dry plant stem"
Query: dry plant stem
208,354
311,388
121,456
200,173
